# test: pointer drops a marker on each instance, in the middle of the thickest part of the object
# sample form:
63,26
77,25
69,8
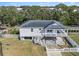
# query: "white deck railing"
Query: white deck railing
54,34
64,49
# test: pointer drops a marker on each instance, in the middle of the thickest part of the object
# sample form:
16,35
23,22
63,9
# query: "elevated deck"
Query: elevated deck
54,35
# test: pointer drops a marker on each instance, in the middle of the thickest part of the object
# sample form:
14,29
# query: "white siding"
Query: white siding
26,32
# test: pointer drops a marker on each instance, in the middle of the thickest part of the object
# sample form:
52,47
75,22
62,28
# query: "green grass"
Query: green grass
75,37
15,47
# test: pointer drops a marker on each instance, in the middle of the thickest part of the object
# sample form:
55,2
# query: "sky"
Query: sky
36,3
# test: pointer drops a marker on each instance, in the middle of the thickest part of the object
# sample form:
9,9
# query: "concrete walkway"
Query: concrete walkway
53,53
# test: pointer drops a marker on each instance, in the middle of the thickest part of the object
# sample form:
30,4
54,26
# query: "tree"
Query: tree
62,6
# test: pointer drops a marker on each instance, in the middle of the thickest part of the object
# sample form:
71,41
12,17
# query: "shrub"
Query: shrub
14,31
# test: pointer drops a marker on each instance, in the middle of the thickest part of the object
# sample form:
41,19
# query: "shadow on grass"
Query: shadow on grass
1,53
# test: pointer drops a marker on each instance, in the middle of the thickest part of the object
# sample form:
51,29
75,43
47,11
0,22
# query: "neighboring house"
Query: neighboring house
48,8
42,31
19,9
76,10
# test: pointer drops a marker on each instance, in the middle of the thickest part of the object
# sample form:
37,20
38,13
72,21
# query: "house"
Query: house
19,9
47,8
43,31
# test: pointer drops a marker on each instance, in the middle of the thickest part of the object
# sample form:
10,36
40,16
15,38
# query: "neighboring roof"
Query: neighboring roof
47,24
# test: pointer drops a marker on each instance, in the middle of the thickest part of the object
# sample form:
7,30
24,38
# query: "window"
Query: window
49,30
31,29
39,28
27,37
58,31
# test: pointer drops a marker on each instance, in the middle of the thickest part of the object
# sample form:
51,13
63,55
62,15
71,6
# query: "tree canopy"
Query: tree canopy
11,16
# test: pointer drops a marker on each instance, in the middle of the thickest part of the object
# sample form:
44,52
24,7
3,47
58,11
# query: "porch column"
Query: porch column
44,42
22,38
33,40
67,31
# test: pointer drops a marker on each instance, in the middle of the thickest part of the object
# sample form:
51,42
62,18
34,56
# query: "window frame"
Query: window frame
49,30
31,29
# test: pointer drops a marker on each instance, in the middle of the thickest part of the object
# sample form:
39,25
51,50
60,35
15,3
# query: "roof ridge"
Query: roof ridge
48,24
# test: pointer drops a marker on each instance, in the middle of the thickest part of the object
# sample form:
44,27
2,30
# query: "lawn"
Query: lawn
75,37
15,47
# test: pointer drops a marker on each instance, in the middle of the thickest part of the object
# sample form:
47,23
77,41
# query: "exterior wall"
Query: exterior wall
54,33
60,41
37,36
49,34
26,32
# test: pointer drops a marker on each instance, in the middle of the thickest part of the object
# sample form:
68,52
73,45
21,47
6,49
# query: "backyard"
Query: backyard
75,37
14,47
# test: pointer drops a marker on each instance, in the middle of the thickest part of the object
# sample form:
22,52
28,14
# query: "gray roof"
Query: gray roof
49,24
56,25
37,23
